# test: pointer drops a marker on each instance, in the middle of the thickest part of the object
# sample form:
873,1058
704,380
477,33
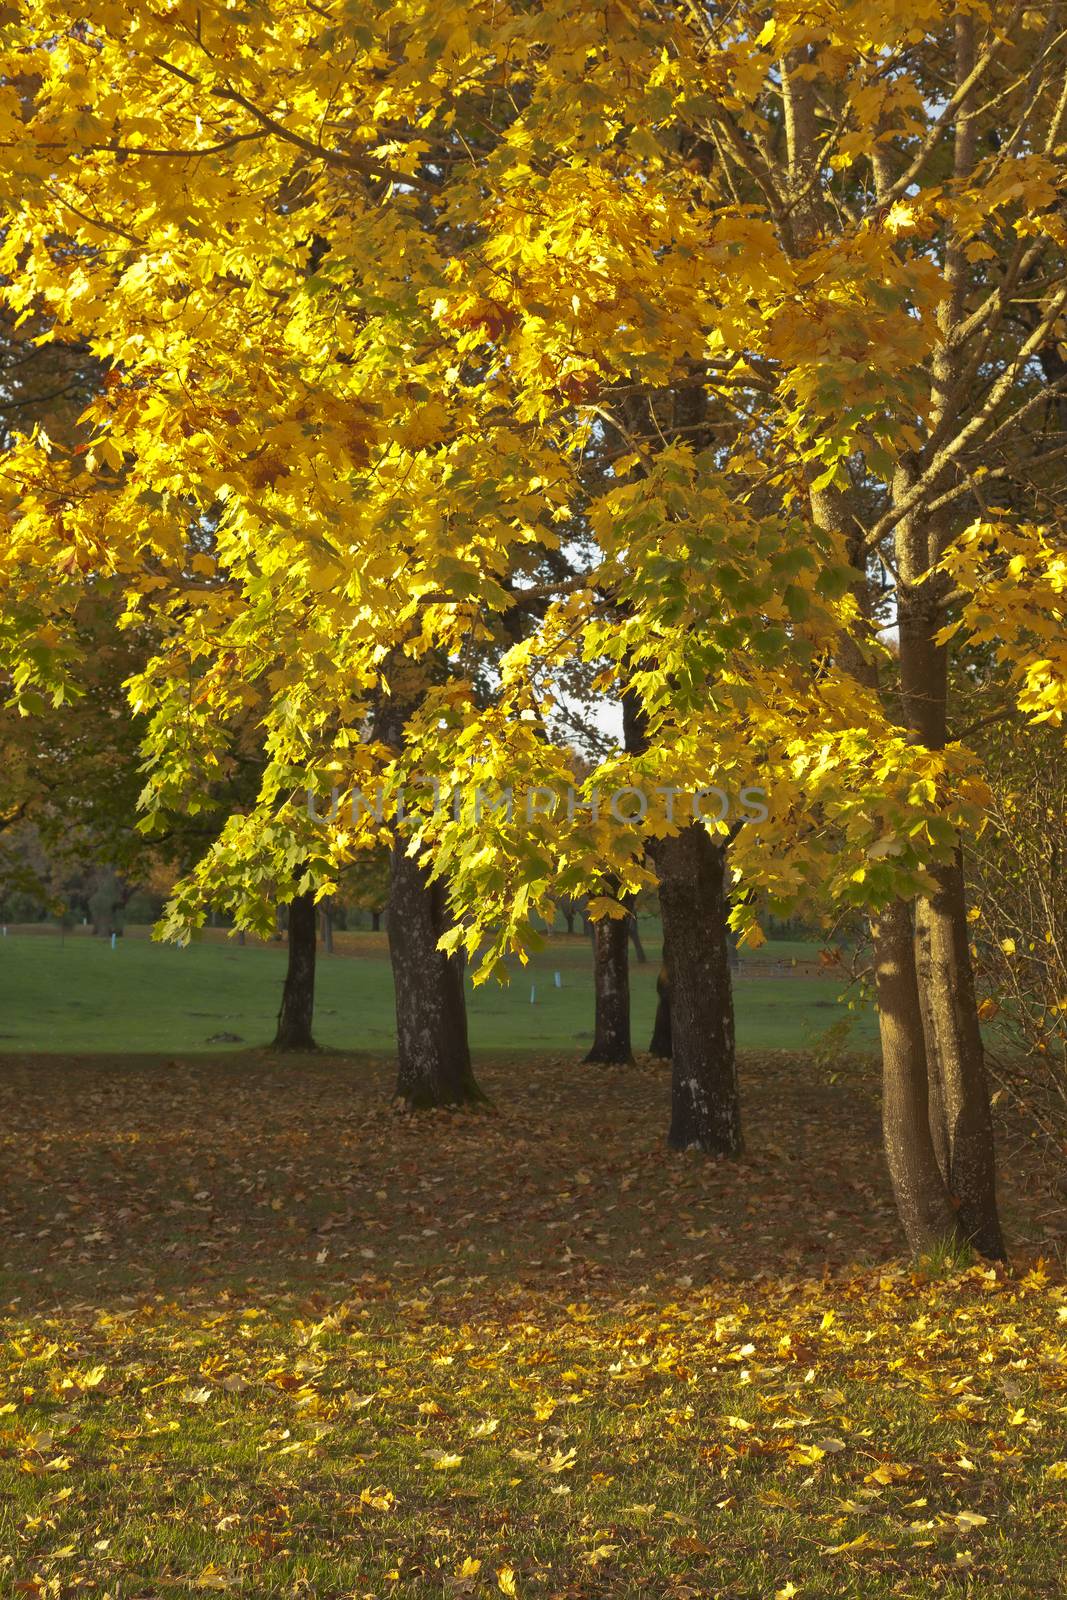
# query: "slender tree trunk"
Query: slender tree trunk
431,1014
963,1086
926,996
327,929
705,1107
935,1091
660,1043
941,920
298,997
960,1116
635,936
376,921
611,979
922,1199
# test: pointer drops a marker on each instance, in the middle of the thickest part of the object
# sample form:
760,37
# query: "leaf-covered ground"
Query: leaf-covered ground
263,1335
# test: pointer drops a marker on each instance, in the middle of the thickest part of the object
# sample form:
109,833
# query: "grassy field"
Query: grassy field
76,993
261,1335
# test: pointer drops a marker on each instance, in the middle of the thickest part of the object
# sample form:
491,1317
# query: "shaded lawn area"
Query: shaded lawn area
263,1335
78,994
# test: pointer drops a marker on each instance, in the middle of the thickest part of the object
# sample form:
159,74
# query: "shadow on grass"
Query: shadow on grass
128,1176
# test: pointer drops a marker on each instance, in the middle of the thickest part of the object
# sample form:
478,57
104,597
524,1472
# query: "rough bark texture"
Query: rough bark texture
660,1043
705,1107
297,1010
935,1097
963,1087
961,1122
431,1014
922,1198
611,979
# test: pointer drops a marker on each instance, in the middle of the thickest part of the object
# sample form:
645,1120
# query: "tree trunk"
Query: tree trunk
964,1091
376,921
611,980
431,1013
922,1199
935,1092
298,997
960,1090
705,1108
920,540
327,928
635,935
660,1043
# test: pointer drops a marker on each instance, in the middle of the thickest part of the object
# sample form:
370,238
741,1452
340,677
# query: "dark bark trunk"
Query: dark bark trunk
327,929
922,1198
376,921
660,1043
705,1107
635,936
298,997
962,1084
611,981
569,916
431,1014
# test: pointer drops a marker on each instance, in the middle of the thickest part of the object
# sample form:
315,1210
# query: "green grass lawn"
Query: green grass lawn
78,994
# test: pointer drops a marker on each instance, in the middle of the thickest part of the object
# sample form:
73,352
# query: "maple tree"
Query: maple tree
869,322
369,289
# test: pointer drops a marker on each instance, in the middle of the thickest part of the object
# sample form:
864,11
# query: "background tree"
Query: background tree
1018,923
